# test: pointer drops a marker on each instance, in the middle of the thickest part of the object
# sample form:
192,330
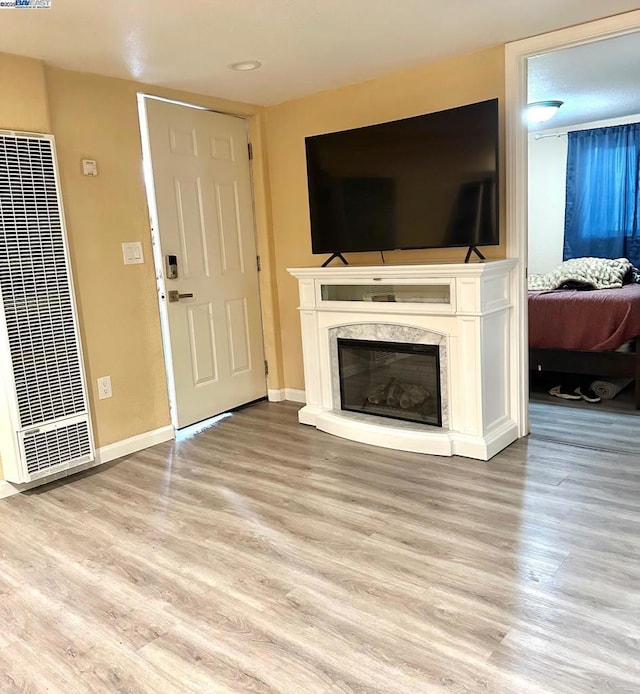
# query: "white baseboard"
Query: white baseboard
291,394
103,455
295,395
7,489
134,444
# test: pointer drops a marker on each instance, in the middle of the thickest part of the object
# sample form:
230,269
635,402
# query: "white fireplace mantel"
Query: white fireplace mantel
462,308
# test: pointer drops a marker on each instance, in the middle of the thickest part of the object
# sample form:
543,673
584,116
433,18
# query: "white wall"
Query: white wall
547,178
547,182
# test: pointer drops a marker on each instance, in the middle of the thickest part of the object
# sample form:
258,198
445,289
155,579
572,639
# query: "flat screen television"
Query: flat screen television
430,181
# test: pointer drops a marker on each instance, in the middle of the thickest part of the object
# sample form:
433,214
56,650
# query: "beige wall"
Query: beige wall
96,117
23,94
433,87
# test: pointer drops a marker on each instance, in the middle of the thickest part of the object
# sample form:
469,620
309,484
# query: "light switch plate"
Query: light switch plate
132,253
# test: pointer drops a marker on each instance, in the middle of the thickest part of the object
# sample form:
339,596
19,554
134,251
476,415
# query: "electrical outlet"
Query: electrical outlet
104,387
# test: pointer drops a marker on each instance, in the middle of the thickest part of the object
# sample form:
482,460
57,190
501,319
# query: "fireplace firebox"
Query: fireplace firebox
390,379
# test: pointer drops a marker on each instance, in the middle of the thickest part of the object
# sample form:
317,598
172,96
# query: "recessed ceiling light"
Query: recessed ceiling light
245,65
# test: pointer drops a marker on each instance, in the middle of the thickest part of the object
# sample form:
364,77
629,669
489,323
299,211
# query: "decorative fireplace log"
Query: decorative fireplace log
378,394
394,394
413,396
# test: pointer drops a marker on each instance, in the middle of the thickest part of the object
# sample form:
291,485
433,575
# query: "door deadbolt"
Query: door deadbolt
171,267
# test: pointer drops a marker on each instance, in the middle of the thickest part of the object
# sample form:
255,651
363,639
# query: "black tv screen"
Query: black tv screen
425,182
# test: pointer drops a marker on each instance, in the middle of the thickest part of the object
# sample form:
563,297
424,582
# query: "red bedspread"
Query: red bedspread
598,320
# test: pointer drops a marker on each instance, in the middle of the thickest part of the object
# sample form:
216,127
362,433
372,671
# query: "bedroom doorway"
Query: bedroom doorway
536,185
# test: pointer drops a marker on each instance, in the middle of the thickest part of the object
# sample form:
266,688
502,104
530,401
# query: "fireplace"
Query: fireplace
390,379
453,321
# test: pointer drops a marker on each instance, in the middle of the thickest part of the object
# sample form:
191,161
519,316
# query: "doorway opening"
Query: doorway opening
578,65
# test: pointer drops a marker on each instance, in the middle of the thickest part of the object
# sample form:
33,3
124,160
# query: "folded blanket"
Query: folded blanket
633,276
600,273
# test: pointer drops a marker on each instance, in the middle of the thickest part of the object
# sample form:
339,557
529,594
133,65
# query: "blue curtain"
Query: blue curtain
603,197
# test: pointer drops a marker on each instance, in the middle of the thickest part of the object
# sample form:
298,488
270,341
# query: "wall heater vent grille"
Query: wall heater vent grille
35,285
44,415
64,444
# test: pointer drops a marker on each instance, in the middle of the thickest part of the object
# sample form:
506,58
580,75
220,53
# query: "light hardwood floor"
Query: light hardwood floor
265,556
596,428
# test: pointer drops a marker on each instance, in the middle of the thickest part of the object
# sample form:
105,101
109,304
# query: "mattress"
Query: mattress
598,320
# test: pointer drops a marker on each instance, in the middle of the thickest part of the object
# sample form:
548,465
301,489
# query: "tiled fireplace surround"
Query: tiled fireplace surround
465,312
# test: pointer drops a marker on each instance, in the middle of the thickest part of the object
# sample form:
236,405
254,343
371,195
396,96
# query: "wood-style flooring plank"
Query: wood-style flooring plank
264,556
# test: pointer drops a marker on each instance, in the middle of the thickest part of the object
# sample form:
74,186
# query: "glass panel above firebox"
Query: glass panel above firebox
390,379
400,293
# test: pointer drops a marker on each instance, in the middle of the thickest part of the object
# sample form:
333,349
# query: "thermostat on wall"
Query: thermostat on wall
89,167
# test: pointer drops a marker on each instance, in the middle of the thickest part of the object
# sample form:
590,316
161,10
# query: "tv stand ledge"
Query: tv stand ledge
414,271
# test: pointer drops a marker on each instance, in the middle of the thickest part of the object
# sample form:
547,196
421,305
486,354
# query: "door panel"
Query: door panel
183,141
191,228
202,344
222,148
203,196
230,236
238,331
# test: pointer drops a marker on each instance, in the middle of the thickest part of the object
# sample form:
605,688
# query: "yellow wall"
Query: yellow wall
433,87
23,94
96,117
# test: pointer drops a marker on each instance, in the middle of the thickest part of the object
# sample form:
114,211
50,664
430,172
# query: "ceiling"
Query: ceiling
596,81
304,45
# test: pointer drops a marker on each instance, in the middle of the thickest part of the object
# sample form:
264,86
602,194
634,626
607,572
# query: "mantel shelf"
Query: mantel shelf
404,271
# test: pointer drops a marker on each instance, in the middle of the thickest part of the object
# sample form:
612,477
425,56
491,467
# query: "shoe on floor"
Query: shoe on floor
565,393
587,394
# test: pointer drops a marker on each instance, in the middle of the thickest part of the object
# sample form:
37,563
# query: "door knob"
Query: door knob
174,295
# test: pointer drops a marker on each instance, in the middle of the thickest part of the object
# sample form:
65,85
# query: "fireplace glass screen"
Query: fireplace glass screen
390,379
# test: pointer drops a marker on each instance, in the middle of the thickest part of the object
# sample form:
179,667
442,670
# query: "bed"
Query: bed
581,332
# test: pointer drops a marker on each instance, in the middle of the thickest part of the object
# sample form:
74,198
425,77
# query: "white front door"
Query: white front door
202,185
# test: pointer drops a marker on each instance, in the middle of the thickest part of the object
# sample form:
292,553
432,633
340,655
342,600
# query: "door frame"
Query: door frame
516,55
158,260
